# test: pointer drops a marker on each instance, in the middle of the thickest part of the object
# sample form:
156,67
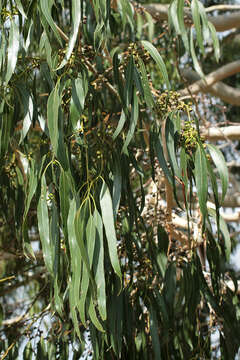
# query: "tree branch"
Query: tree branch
210,79
221,133
224,92
221,22
222,7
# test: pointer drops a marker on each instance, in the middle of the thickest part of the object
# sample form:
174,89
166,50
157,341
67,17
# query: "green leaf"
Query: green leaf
183,166
79,93
28,109
170,142
5,130
76,265
150,23
93,316
176,18
196,64
43,226
173,19
108,221
64,192
120,125
215,41
90,240
197,24
81,219
31,186
75,20
55,126
117,184
154,332
224,230
157,57
180,16
46,7
221,166
201,178
133,122
162,259
117,78
13,47
128,90
53,105
20,8
98,264
145,84
55,238
159,152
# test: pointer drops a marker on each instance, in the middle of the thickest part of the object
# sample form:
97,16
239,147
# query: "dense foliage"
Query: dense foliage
99,154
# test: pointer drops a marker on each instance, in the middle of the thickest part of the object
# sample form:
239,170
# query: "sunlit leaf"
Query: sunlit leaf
197,24
43,226
157,57
46,7
108,221
13,47
76,17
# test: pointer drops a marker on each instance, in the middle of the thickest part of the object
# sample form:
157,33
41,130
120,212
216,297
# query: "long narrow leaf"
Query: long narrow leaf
43,226
197,24
76,18
157,57
201,179
133,122
98,264
108,221
46,7
13,47
221,166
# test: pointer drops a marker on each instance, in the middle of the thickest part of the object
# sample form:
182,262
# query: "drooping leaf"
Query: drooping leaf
133,122
52,114
197,24
196,64
154,332
221,166
46,7
171,148
159,152
120,125
76,17
157,57
215,41
43,226
108,221
98,264
224,230
201,179
13,47
145,84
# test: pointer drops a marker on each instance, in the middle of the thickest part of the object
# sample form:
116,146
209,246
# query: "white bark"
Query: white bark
221,22
222,133
224,92
212,78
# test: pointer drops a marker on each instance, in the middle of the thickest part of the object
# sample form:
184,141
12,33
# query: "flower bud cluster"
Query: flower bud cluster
169,101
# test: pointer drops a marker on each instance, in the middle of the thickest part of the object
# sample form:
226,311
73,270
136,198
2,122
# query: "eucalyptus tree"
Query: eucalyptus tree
111,187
